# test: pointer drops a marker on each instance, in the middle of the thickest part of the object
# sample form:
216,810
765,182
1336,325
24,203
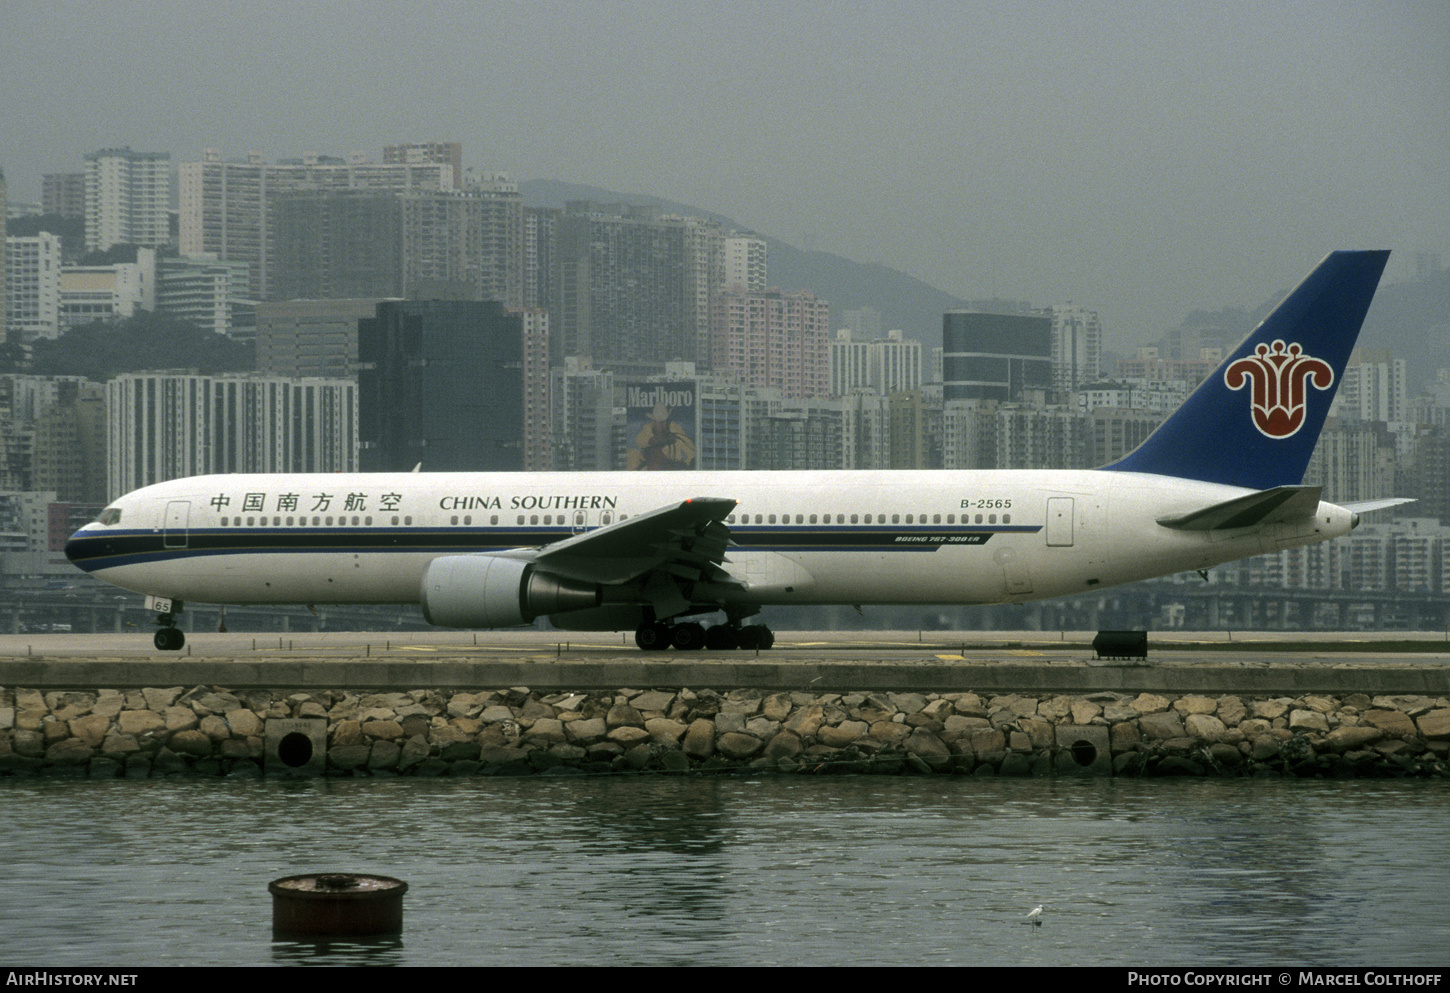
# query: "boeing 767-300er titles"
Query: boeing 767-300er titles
1220,479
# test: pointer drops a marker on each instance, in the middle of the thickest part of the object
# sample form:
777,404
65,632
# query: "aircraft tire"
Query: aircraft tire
169,639
758,637
722,638
652,637
688,637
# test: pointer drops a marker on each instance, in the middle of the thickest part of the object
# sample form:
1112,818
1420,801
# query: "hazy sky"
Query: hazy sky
1140,158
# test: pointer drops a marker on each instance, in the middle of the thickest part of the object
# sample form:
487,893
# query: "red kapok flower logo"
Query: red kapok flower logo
1278,374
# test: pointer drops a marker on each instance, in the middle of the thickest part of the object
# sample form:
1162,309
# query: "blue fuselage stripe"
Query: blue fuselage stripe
103,550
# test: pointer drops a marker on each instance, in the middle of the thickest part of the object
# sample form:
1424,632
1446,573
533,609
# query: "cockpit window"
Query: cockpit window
111,515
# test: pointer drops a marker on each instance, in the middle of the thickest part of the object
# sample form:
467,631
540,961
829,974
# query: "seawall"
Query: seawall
108,718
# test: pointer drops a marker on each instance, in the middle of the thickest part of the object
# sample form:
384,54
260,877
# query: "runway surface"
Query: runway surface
1056,662
791,646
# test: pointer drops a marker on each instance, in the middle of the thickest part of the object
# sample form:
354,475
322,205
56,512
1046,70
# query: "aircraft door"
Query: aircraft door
1059,522
178,514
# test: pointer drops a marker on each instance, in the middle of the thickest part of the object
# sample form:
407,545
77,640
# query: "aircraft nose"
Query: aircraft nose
75,546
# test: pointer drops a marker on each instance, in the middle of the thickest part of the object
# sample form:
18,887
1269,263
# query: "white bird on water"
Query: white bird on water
1034,916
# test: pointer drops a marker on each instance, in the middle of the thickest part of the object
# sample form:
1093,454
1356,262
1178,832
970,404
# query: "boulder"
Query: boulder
1160,726
1195,705
1391,722
146,721
1307,720
1435,724
1204,726
1344,739
194,743
738,745
699,739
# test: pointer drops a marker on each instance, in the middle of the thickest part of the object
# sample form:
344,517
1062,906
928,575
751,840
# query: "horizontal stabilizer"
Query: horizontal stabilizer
1282,503
1365,506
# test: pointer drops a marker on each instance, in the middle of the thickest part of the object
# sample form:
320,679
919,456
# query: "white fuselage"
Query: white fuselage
852,537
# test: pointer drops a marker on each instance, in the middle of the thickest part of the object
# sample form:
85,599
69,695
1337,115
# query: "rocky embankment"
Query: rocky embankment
213,731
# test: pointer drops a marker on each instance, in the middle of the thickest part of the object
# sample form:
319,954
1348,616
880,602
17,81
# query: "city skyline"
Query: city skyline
1142,161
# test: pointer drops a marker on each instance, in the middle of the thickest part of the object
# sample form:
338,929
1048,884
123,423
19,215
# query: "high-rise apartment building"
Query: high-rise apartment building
1373,388
1149,366
469,244
449,153
214,296
746,263
704,276
541,257
1116,431
1353,460
64,194
445,383
884,365
70,442
310,338
1077,347
4,213
634,286
1000,357
24,527
778,340
336,244
458,244
128,198
52,436
226,207
166,425
1031,436
32,286
969,434
804,434
534,373
864,323
581,410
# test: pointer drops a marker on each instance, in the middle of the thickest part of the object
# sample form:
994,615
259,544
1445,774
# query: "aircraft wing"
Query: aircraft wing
686,541
1282,503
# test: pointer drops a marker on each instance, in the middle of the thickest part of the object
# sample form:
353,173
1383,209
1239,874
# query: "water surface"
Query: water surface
656,870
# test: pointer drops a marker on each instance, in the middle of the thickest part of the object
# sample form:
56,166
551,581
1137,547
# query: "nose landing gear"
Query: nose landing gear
169,637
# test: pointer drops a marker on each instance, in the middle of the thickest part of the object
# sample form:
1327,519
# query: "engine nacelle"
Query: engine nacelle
489,591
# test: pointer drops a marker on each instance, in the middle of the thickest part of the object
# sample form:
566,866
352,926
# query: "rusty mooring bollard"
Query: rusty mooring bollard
336,904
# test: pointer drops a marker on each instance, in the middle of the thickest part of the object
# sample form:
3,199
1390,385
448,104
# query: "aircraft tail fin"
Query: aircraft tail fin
1255,421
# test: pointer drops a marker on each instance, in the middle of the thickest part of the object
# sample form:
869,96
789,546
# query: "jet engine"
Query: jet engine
489,591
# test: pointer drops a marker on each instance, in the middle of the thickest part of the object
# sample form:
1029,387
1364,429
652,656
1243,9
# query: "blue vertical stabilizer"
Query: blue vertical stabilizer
1254,422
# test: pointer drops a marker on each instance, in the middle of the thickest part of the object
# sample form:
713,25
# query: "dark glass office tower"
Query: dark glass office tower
995,356
441,382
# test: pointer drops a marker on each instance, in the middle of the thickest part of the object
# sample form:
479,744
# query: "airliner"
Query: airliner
660,552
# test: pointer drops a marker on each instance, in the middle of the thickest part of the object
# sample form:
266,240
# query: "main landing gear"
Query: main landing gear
169,637
689,636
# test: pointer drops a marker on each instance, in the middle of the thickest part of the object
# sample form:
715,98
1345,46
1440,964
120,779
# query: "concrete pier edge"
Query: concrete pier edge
446,714
1249,677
